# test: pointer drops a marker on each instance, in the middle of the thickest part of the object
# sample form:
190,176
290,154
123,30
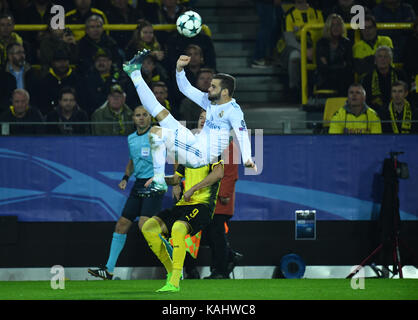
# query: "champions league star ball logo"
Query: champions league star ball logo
189,24
53,187
243,126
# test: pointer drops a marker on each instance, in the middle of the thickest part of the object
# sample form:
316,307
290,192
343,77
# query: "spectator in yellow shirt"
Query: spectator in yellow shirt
83,10
365,49
296,18
355,117
7,36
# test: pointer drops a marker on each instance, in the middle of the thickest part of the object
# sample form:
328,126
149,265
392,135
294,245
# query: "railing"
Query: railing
106,27
305,66
285,126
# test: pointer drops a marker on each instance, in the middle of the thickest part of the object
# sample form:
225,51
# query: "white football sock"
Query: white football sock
148,99
158,151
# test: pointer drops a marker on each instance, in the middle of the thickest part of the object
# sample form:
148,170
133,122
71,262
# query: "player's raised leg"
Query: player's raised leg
147,97
159,153
177,145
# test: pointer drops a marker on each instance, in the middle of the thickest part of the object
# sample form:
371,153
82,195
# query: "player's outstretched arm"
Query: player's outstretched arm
216,174
173,180
250,164
185,87
182,62
240,129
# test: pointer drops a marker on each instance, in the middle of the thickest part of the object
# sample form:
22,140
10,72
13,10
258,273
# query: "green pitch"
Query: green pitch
262,289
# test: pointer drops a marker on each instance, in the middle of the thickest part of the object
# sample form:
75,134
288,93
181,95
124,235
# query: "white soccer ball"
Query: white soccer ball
189,24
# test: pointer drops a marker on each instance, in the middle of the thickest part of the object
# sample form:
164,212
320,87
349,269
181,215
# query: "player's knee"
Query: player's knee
151,226
155,129
123,225
179,230
141,222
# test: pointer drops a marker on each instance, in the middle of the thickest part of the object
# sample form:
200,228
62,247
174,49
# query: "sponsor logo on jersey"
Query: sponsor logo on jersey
211,125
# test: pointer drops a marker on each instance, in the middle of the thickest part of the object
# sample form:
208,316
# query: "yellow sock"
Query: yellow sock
151,231
178,233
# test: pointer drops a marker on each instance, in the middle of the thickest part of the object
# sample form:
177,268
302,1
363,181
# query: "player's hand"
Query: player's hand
188,194
176,192
123,184
224,200
146,185
182,62
250,164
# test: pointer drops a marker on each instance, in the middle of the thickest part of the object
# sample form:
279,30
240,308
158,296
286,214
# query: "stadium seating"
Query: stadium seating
331,106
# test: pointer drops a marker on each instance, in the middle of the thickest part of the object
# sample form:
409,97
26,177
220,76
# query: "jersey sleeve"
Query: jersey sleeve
289,23
336,125
240,128
194,94
181,170
131,157
375,125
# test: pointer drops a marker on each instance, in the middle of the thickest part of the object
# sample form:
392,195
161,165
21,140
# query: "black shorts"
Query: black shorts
198,216
137,206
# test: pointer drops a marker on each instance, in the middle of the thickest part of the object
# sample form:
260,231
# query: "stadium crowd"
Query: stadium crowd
39,68
44,66
378,60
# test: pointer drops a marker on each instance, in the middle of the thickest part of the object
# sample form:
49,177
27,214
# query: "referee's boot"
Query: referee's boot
101,273
136,62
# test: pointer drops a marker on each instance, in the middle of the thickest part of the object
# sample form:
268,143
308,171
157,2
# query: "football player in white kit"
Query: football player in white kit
172,139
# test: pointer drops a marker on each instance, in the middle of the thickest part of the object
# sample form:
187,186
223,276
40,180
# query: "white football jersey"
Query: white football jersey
220,120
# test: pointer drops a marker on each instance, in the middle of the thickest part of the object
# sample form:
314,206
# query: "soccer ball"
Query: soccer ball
189,24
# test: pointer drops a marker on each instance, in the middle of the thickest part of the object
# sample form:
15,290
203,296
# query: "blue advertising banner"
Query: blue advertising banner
76,178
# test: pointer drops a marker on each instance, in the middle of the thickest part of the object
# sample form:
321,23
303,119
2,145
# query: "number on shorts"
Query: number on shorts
192,215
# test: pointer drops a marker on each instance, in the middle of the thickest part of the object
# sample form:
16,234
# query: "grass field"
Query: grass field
262,289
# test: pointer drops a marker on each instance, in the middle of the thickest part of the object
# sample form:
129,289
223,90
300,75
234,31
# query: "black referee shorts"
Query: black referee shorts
137,206
198,216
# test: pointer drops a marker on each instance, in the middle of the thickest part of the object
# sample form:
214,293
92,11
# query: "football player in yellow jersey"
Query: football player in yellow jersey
355,117
192,213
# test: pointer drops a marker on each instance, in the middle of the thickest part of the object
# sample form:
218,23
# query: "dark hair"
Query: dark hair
67,90
11,45
142,23
158,84
400,83
371,18
227,82
357,85
205,70
194,46
7,15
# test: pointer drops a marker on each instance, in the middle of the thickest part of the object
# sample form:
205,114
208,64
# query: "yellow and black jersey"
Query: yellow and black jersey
75,17
298,18
192,177
345,122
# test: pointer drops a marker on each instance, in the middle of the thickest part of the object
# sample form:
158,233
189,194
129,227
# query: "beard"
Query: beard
214,97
